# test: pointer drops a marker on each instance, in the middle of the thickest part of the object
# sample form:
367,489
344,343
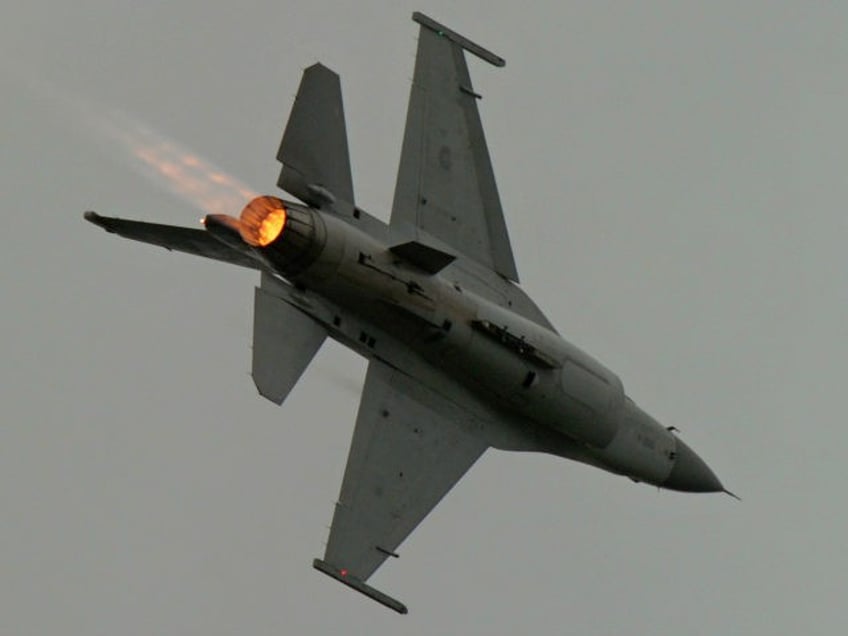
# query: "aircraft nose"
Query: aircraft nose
690,473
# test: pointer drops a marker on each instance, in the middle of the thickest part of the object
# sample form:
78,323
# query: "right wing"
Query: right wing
445,184
410,446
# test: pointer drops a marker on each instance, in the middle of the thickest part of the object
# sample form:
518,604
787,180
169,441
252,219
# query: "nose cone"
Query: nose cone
690,473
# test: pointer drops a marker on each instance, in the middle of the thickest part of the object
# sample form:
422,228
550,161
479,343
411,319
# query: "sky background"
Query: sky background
673,178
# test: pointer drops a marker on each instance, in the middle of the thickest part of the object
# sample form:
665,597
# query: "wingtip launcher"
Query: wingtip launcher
453,36
342,576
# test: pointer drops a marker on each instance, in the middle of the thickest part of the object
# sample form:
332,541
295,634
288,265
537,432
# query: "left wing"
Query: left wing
409,448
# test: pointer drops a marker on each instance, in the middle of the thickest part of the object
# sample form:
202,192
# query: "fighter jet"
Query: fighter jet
459,358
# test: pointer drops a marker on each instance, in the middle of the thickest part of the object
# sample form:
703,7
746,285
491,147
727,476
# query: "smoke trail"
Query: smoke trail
163,161
175,167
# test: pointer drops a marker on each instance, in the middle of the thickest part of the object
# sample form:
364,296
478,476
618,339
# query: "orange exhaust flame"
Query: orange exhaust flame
176,168
262,221
159,159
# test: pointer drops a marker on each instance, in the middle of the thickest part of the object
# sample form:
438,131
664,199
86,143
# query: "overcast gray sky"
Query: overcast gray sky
673,175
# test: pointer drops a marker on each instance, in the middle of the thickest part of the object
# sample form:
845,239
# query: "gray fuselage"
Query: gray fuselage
524,368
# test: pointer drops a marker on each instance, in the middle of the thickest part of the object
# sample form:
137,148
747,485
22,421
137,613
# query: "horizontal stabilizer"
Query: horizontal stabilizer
284,342
360,586
313,151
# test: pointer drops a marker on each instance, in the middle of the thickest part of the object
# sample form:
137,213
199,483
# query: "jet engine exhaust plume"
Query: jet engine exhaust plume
174,167
286,237
152,154
260,224
262,221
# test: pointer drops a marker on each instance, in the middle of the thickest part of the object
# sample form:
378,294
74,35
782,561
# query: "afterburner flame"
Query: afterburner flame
271,226
262,221
175,167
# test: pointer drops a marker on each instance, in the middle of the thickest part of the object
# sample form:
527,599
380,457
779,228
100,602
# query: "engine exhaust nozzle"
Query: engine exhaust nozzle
285,236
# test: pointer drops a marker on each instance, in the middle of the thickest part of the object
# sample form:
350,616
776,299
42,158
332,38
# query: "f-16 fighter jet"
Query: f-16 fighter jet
459,358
